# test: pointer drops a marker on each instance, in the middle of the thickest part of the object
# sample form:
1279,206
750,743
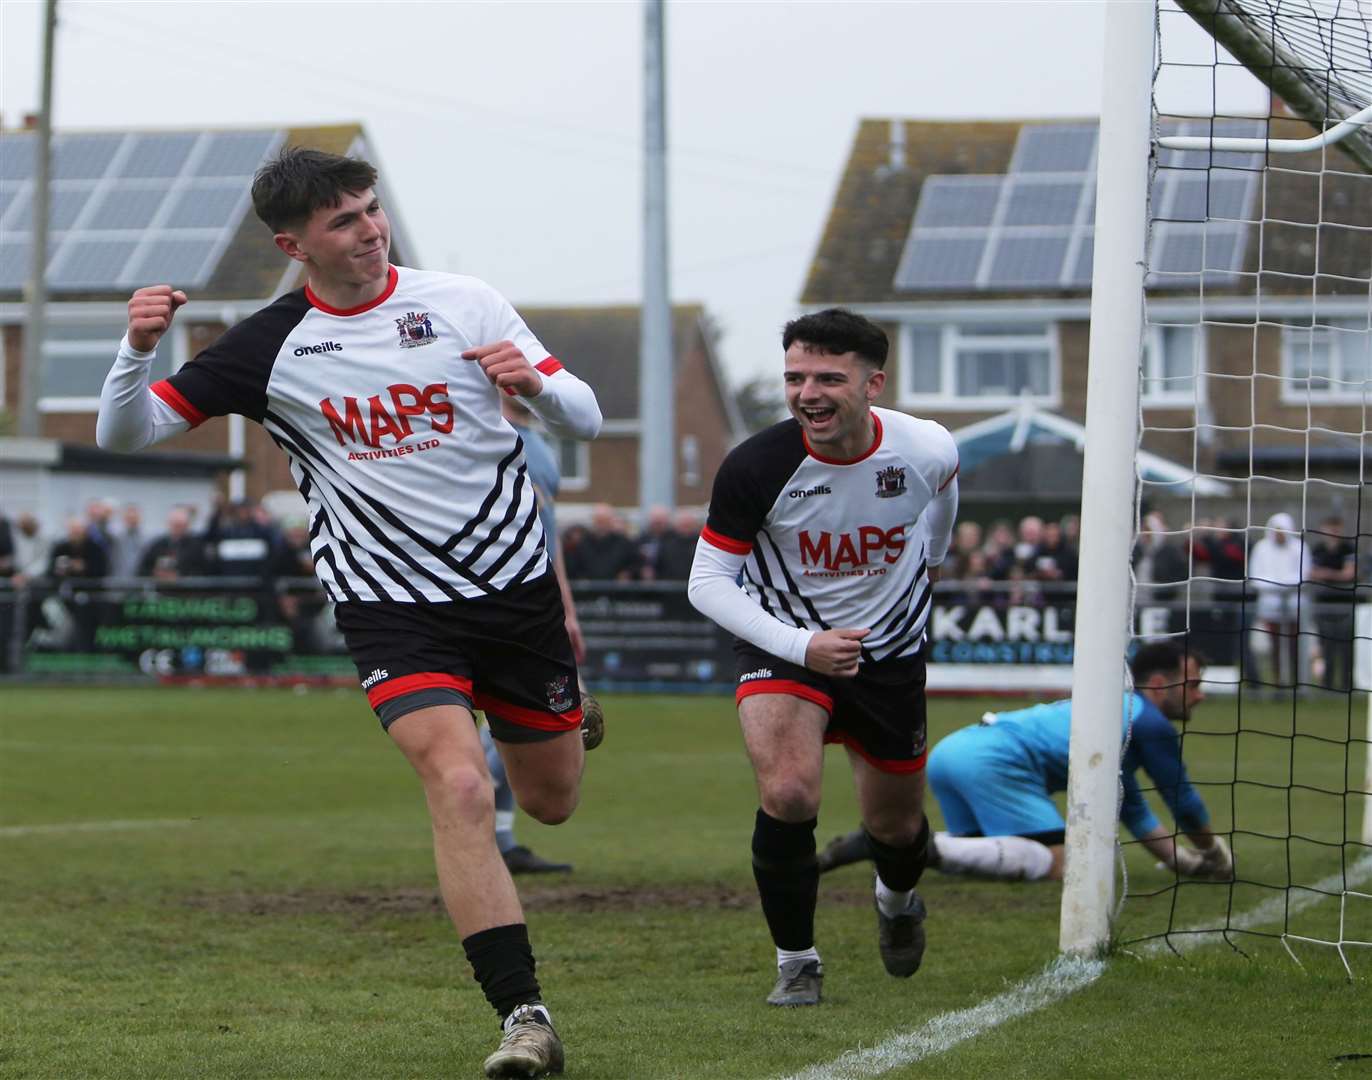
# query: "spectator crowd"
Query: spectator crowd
1287,631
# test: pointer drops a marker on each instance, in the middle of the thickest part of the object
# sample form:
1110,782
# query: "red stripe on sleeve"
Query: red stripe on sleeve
725,543
550,366
173,397
408,684
951,478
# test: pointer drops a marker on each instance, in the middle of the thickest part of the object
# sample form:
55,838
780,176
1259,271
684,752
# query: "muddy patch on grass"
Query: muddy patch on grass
569,897
564,897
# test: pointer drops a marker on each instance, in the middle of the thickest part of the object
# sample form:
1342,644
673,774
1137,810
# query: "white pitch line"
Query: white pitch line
1065,975
92,826
1269,911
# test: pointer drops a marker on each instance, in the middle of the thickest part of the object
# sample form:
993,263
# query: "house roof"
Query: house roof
1310,219
601,345
1011,431
131,207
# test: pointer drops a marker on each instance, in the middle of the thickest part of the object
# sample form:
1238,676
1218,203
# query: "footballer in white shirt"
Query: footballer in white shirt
824,536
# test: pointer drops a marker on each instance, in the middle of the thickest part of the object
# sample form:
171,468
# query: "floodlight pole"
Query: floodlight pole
1108,479
36,289
656,411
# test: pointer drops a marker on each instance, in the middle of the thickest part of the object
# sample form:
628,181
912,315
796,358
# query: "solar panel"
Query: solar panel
1062,148
940,262
957,201
91,264
179,261
153,156
1034,228
235,153
1029,260
128,204
124,206
17,156
1036,203
83,157
205,207
14,263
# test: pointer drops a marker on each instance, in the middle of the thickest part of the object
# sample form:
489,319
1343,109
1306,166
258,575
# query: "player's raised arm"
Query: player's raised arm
565,404
131,416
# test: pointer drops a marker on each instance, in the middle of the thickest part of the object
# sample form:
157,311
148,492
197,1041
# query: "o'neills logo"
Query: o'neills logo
328,346
818,489
375,677
388,416
760,673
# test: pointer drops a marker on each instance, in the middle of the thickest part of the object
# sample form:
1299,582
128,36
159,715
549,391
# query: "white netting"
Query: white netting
1257,371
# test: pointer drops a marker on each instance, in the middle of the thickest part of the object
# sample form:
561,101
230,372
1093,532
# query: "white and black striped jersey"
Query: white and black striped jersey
417,487
823,543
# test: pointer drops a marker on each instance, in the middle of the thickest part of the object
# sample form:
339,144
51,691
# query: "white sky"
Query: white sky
509,134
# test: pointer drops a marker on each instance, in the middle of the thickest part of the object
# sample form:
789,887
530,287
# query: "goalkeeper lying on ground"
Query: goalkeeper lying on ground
994,782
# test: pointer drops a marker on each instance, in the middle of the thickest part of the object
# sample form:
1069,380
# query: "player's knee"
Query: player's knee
894,829
550,804
790,798
462,786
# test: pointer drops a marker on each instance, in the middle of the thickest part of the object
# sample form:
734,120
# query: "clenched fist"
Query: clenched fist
507,366
150,315
835,652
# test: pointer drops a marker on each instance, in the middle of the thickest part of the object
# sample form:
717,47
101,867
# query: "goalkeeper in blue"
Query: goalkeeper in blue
994,782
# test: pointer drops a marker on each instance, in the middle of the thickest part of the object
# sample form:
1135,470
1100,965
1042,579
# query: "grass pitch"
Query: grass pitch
218,883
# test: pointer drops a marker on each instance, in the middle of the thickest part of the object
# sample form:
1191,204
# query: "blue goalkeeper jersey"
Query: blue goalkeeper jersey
1042,732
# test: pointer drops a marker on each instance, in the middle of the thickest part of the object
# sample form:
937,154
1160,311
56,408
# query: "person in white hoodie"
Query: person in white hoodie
1277,565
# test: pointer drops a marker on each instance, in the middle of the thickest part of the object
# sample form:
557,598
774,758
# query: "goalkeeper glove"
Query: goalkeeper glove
1188,862
1217,861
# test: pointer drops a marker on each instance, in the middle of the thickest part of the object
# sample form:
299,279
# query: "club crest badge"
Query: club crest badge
890,482
415,330
559,693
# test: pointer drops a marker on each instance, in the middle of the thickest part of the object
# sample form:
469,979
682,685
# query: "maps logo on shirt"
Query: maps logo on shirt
415,330
890,482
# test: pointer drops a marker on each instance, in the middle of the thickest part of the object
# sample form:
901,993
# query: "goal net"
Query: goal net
1256,368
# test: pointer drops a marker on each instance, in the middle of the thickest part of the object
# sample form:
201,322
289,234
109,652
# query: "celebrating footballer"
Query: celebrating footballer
823,539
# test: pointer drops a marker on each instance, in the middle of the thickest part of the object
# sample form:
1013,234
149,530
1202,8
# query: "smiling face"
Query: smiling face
831,396
347,247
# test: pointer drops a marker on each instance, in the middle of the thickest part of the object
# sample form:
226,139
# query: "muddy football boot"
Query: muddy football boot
798,983
530,1046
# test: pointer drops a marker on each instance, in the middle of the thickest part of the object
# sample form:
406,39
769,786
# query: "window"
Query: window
1172,358
77,356
979,366
574,463
1332,362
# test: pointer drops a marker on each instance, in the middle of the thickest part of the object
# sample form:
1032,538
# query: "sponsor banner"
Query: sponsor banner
648,634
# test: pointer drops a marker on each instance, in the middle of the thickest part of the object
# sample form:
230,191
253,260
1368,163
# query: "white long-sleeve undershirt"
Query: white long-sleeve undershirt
938,518
713,590
131,416
566,406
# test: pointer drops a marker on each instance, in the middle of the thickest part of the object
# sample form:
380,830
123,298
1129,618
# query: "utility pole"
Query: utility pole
656,409
36,290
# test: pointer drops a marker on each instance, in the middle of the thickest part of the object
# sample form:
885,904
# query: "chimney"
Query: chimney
30,121
897,146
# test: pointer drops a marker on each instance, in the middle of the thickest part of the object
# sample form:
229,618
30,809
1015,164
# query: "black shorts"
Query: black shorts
879,714
507,654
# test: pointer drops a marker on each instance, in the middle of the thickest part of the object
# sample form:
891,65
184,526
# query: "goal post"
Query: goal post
1231,328
1107,502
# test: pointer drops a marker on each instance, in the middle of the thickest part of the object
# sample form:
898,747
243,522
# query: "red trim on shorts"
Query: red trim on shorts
725,543
391,278
540,719
914,765
876,441
789,687
408,684
550,366
173,397
952,476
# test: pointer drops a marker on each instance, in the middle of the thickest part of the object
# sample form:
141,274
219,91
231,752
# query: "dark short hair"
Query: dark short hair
837,331
1167,657
290,187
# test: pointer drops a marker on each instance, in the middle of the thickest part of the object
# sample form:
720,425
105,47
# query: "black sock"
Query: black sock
503,963
900,867
787,879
